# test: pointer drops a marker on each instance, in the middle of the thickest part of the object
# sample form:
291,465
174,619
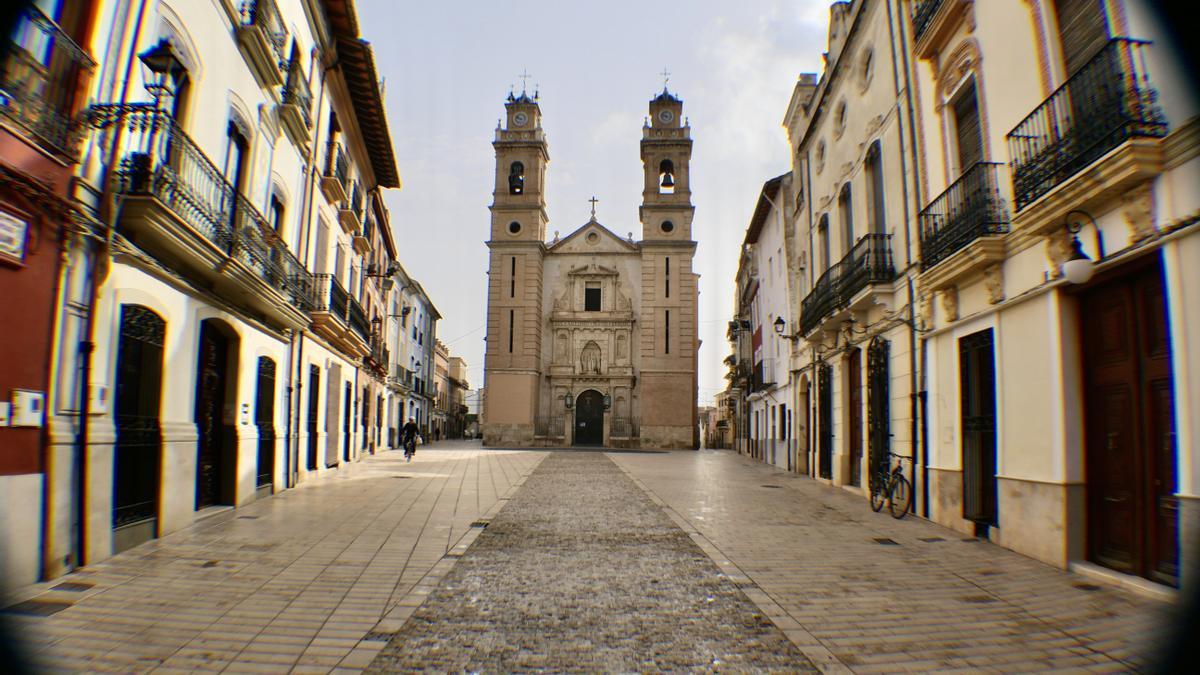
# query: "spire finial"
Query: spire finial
593,200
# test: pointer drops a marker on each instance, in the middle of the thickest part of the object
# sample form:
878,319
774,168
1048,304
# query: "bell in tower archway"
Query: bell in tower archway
666,173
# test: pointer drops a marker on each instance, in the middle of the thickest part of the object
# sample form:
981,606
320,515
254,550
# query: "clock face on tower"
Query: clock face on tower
666,116
520,119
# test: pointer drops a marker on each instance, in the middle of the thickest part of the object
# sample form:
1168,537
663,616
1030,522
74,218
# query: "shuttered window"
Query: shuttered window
967,130
1082,31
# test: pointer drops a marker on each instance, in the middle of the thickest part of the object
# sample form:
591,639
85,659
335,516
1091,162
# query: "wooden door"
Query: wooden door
977,373
264,419
589,418
854,415
1129,427
314,388
879,433
210,414
825,420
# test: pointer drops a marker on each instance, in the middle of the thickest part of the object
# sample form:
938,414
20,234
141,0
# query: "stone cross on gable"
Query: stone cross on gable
593,200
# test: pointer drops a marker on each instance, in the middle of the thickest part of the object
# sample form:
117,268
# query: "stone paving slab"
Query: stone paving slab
935,600
581,571
294,582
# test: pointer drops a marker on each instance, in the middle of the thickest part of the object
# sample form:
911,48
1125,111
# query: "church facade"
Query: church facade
591,339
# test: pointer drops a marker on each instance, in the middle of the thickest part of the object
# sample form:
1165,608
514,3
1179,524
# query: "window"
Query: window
667,332
511,316
667,276
591,298
846,214
512,279
967,132
236,148
1082,31
823,241
514,227
276,213
874,176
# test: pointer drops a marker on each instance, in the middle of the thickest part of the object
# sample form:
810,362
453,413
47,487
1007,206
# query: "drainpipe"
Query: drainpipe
916,392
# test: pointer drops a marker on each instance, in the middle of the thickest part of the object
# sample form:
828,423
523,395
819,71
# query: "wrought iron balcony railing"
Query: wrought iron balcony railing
159,160
868,262
263,15
329,296
358,321
40,76
923,12
1106,102
970,208
337,165
296,91
356,201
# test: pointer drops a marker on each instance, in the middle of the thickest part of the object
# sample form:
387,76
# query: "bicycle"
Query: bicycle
410,447
892,487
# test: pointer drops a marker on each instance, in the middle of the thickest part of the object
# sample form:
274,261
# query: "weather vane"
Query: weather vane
524,80
666,77
593,200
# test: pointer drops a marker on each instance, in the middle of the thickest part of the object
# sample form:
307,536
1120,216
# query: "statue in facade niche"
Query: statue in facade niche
589,359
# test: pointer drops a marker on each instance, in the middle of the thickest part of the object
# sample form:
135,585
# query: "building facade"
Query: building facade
221,318
995,226
44,76
591,339
1062,392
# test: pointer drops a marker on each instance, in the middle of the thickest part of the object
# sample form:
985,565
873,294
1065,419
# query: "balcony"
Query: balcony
331,311
350,210
179,207
295,105
336,177
1105,111
262,37
869,262
934,22
39,79
970,214
401,377
377,358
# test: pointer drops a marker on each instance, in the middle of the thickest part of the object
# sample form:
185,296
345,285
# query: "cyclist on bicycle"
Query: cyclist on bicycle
409,434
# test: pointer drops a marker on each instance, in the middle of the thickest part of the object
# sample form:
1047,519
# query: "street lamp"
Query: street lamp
568,401
1078,269
779,325
162,71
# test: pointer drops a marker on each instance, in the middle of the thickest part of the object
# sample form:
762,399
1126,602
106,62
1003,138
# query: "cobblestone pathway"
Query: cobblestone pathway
881,595
582,572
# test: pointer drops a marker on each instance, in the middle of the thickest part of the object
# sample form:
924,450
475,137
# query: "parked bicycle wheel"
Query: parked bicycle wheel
901,496
879,494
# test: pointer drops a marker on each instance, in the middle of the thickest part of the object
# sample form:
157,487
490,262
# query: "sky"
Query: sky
447,68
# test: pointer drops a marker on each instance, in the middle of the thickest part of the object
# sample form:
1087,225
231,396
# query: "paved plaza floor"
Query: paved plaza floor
496,560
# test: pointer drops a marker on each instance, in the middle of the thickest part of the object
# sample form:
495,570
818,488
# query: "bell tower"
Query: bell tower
514,319
669,339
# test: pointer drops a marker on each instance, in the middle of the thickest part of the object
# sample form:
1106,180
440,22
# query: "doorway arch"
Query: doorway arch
589,418
216,400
